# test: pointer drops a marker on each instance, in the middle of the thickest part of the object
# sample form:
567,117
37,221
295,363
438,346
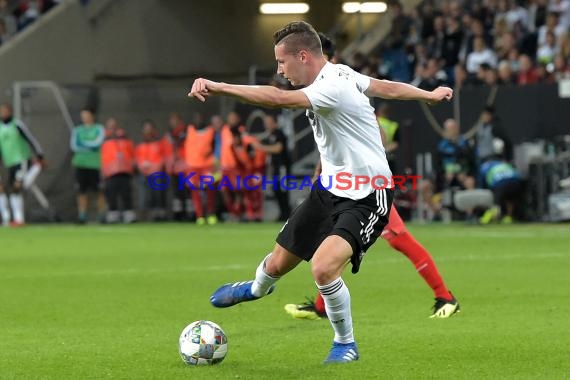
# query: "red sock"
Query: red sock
231,205
320,304
258,204
197,200
420,257
238,205
249,200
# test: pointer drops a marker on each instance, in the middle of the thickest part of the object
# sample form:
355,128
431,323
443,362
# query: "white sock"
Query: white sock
262,281
129,216
4,210
337,305
113,216
17,203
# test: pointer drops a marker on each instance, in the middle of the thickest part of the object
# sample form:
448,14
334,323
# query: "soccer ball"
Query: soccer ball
203,343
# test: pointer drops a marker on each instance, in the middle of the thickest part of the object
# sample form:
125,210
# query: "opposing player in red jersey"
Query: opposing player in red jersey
234,162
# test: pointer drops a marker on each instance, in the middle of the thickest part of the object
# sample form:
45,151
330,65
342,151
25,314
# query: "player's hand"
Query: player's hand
202,88
40,161
439,94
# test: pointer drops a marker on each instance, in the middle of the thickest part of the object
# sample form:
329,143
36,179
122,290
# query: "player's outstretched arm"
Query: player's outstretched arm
267,96
396,90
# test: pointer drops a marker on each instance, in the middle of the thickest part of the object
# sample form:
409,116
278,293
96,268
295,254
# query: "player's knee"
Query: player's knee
323,273
388,235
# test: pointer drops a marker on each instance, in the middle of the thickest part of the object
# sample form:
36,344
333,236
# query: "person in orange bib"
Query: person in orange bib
253,193
232,164
175,164
117,168
150,157
199,155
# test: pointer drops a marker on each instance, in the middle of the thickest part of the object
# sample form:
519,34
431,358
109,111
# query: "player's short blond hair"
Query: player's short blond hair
297,36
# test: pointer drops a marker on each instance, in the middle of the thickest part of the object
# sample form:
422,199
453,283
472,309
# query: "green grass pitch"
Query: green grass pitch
101,302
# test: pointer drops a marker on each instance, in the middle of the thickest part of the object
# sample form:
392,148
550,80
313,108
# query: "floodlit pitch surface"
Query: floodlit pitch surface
110,302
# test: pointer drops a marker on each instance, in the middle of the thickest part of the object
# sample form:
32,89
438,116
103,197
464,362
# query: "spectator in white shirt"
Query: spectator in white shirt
516,15
548,51
561,7
480,54
553,25
8,17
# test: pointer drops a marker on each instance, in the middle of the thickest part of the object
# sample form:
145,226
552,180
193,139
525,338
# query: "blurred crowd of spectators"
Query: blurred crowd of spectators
439,42
459,42
16,15
470,43
482,161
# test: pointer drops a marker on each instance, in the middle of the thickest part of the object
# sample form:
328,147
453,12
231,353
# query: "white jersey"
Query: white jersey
346,133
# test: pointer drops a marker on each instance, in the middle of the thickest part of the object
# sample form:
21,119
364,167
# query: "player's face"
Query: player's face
174,121
270,123
451,130
5,112
87,117
233,119
111,124
289,65
148,131
217,122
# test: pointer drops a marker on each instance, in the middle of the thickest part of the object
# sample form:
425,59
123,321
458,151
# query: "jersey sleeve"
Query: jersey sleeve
362,81
322,94
98,141
74,141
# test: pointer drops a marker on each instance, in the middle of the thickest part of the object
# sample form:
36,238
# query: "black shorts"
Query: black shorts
17,172
87,179
324,214
508,191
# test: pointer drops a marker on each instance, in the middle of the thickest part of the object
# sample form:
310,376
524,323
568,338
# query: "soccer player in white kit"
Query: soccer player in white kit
343,216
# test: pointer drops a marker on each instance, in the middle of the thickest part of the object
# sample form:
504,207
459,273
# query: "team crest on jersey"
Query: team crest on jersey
343,73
